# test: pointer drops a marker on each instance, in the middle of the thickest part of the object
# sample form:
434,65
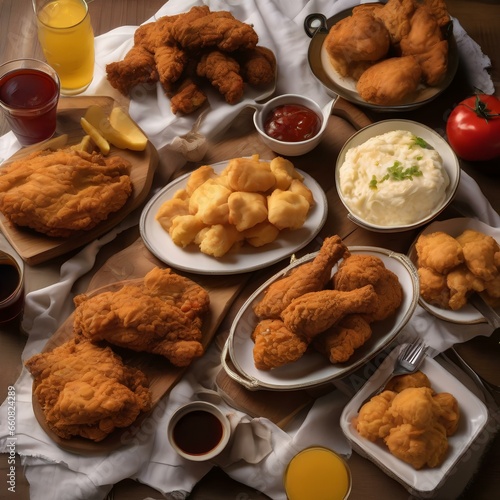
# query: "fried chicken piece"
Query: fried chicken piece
340,341
176,206
439,11
390,82
415,406
315,312
86,390
215,29
170,63
137,67
58,193
219,239
261,234
448,412
249,174
275,345
222,71
284,172
434,63
308,277
461,283
481,254
160,316
424,33
492,289
369,421
210,202
396,15
433,287
357,38
439,251
402,382
359,270
158,33
287,209
246,209
258,66
418,447
187,98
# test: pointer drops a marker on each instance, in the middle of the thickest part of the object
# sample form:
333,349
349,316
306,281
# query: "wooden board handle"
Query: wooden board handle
350,113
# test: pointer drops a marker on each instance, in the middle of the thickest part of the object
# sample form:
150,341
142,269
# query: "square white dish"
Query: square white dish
423,482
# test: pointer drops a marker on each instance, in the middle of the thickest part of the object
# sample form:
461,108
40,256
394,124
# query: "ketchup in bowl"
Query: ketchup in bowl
292,123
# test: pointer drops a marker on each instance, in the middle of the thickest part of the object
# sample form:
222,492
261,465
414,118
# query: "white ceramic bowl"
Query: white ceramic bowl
204,451
291,148
450,163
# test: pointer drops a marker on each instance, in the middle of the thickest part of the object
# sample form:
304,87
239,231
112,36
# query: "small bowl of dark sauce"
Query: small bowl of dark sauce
199,431
291,124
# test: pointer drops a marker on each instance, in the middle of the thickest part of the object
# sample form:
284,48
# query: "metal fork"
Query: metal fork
408,361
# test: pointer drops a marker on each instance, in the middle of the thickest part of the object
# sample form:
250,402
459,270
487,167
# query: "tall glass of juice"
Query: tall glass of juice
67,41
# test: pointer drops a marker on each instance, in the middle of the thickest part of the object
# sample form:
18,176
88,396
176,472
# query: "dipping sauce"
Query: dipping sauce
197,432
29,97
317,473
11,288
393,179
292,123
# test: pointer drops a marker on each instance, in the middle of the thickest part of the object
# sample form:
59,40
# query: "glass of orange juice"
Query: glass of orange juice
67,41
318,473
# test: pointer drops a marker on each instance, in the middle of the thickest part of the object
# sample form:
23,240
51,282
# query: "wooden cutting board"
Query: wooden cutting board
35,248
128,266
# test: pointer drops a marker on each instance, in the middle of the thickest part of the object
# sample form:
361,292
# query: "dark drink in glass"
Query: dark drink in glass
11,288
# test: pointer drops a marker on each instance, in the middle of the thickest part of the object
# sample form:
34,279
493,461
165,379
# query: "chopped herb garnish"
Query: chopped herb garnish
397,173
420,142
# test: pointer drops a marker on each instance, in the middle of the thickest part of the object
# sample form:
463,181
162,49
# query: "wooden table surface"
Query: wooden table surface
480,20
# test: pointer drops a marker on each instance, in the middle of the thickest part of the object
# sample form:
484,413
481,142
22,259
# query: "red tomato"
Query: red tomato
473,128
292,123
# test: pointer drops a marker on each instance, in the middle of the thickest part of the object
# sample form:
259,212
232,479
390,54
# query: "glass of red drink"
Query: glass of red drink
29,92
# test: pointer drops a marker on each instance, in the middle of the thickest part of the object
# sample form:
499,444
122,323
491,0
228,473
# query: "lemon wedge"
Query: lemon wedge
95,135
122,123
118,129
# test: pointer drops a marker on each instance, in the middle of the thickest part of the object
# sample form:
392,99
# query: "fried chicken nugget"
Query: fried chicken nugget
415,406
315,312
261,234
198,177
433,287
369,421
448,412
185,228
218,239
418,447
258,66
246,209
340,341
359,270
439,251
287,210
249,174
461,283
170,62
210,203
390,82
187,98
275,345
170,209
402,382
223,72
284,171
307,277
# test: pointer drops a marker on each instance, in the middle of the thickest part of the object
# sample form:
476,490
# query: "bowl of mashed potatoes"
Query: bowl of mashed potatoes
396,175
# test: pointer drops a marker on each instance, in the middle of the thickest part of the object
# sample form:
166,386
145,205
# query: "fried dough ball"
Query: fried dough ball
439,251
261,234
177,205
414,406
246,209
448,412
218,239
184,229
369,422
210,202
198,177
299,187
418,447
249,174
390,82
402,382
357,38
287,210
285,172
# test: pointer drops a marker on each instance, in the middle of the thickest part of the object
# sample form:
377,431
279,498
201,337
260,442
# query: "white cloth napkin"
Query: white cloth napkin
259,450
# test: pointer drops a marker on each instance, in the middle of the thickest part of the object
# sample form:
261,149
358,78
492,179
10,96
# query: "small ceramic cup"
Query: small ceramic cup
199,431
291,148
11,287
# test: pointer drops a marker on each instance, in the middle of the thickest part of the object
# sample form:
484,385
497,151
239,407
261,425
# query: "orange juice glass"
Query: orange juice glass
318,473
67,41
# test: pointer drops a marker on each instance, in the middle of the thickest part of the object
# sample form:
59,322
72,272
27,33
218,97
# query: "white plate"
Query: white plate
247,258
313,368
473,418
468,315
450,164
